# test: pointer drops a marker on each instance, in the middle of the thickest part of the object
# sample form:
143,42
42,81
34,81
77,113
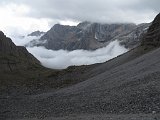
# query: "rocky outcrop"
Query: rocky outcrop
152,37
134,37
36,33
14,57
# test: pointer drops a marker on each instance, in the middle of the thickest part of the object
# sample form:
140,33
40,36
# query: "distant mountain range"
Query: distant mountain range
125,87
91,36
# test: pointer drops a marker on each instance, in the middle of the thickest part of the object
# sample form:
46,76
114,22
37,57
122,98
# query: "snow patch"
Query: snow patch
96,36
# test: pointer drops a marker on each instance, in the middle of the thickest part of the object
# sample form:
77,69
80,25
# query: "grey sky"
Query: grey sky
106,11
92,10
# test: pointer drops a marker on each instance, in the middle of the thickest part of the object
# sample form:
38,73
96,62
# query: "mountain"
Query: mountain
133,38
126,87
152,37
36,33
91,36
14,57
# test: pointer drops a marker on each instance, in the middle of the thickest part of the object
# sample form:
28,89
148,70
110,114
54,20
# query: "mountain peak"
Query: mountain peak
1,33
36,33
157,18
84,24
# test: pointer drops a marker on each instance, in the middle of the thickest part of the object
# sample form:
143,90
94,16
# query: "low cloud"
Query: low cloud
62,59
23,40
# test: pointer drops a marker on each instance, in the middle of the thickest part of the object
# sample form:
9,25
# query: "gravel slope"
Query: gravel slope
129,88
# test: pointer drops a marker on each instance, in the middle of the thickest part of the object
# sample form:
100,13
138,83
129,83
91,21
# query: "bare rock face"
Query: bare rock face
36,33
86,35
152,37
91,36
134,37
14,57
6,46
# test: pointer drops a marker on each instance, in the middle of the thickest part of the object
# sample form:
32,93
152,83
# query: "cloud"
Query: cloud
62,59
15,19
23,40
93,10
27,16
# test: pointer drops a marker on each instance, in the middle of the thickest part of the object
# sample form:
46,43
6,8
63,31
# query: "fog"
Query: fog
61,59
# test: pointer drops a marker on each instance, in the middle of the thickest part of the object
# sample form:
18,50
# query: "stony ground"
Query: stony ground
105,117
131,88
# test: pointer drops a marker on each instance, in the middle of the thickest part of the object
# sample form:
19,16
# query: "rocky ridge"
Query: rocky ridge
152,37
36,33
14,57
91,36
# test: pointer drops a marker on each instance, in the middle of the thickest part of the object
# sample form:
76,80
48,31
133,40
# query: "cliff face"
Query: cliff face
36,33
14,57
134,37
86,35
91,36
152,37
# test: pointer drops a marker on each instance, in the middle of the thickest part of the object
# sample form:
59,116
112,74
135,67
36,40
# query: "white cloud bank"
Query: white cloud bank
62,59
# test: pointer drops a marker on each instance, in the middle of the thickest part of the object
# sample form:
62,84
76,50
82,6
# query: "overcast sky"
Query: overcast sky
20,16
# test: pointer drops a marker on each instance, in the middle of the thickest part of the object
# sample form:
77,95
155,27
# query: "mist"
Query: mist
61,59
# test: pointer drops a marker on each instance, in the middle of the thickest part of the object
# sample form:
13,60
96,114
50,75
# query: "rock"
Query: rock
86,35
91,36
36,33
14,57
152,37
134,37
